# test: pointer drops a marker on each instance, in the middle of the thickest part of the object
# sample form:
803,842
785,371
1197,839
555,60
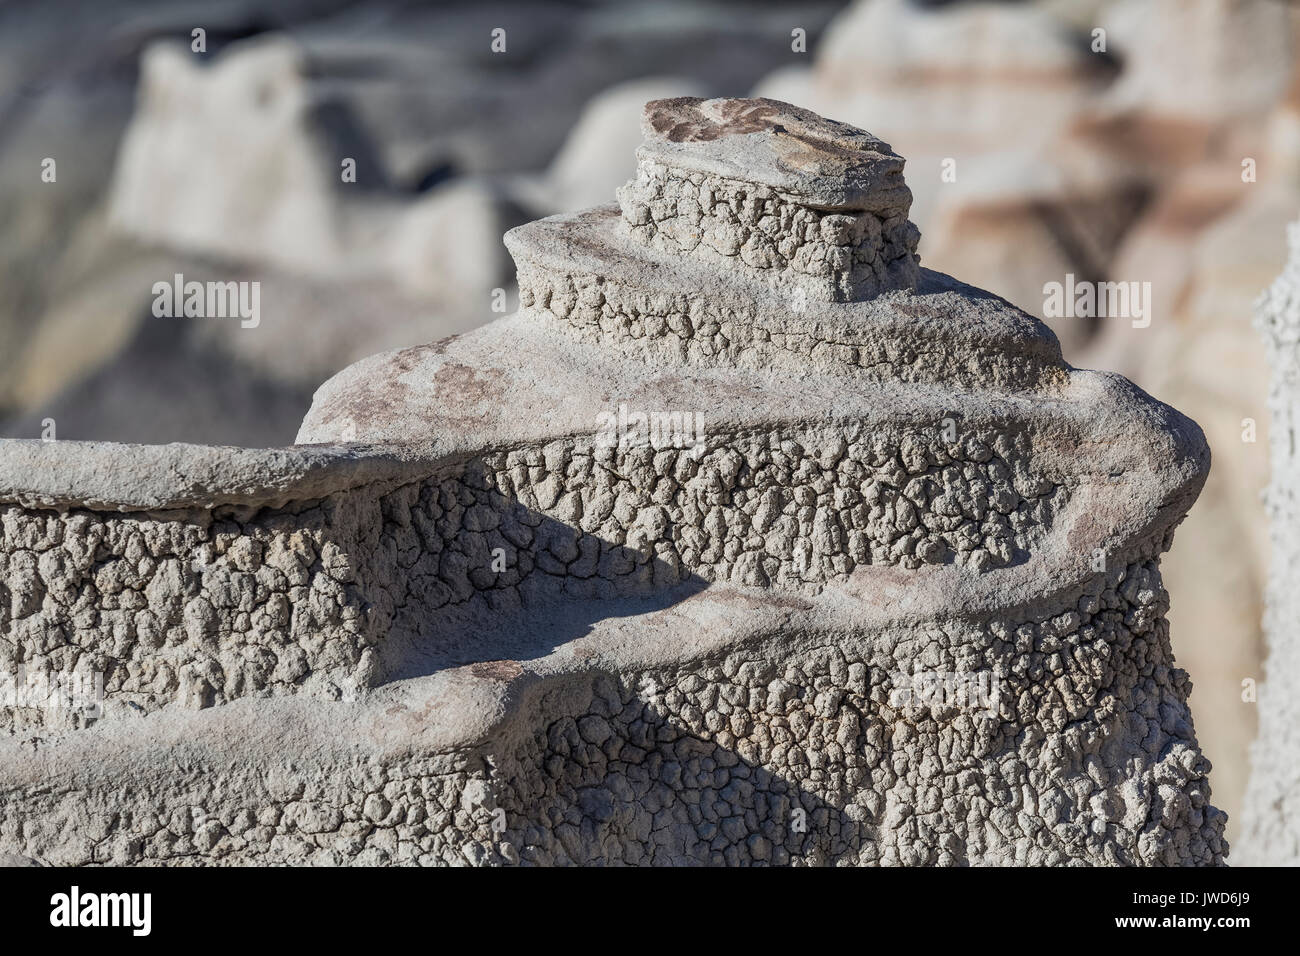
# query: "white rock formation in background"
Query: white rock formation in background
1239,51
422,91
1207,103
745,540
447,245
598,155
225,160
961,79
1271,820
242,160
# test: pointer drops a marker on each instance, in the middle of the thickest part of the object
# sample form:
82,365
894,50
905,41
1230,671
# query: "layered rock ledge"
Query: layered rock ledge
812,205
649,572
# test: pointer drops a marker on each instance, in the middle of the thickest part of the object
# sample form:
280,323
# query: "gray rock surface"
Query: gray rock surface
693,559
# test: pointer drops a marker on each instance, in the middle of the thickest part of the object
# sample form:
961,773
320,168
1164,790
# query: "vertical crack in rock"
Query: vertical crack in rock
746,540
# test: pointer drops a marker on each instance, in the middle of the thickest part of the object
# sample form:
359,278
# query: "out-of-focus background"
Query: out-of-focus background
1112,140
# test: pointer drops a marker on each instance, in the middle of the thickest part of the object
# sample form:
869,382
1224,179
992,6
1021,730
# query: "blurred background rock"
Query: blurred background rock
1114,155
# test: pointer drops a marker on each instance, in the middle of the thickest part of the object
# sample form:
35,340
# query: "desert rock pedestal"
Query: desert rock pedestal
746,540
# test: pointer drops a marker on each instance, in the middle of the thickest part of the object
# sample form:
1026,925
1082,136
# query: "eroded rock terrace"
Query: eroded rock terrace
455,625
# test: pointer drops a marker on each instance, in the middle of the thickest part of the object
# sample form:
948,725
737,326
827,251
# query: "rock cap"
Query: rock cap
819,162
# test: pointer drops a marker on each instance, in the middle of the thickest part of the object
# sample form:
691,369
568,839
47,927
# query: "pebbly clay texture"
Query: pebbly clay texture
816,207
697,558
1271,827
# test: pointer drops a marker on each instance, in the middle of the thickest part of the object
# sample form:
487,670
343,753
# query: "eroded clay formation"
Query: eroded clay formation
506,601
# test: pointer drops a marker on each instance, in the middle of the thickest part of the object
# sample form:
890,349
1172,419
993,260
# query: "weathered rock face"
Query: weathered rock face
1271,821
982,98
815,206
746,540
1032,155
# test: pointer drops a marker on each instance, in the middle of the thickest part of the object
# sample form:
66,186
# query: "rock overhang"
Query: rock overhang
591,249
116,477
1141,462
